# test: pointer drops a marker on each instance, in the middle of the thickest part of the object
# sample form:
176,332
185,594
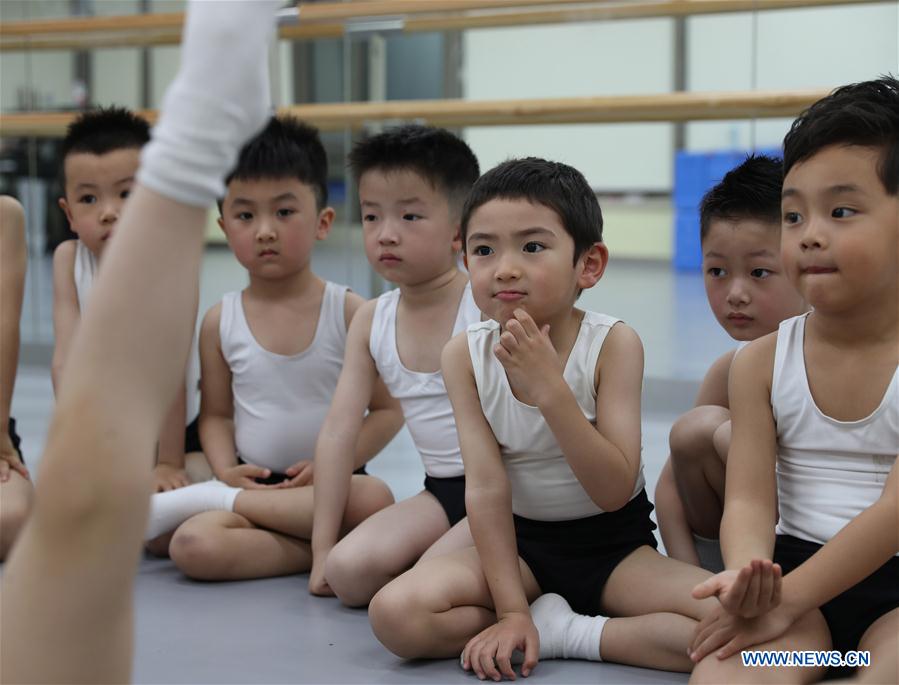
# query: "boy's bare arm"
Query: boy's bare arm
336,447
488,501
385,415
380,425
865,544
605,458
216,400
488,495
713,390
750,506
860,548
169,472
66,312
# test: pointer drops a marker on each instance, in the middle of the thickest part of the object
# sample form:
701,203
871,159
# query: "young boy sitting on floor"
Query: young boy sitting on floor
750,295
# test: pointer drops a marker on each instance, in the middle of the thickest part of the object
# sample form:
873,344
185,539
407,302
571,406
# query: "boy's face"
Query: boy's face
272,225
840,235
745,282
410,235
519,255
95,192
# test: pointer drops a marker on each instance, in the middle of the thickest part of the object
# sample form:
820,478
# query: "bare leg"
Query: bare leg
432,610
383,547
652,641
96,471
673,525
882,640
289,511
653,592
456,538
808,633
698,469
266,535
222,545
15,502
68,584
197,467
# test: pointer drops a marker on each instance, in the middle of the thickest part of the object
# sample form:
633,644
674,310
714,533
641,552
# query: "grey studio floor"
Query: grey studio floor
273,631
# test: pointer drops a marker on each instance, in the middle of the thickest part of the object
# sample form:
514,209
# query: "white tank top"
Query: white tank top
86,266
426,406
85,272
280,401
828,471
544,487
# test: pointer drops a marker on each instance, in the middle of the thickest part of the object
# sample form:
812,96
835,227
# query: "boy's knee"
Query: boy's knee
372,495
15,513
395,616
692,434
348,569
721,440
198,552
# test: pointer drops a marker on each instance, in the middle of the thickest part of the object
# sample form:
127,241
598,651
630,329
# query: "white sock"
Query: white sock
219,99
168,510
563,633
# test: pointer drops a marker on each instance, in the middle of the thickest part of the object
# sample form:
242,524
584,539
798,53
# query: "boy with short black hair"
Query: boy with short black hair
271,355
750,295
100,155
413,181
812,486
547,402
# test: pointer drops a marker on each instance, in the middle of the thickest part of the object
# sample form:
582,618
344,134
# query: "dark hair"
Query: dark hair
102,130
555,185
440,157
749,191
865,114
285,148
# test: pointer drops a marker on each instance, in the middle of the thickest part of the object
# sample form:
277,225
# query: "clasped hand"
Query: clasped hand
750,610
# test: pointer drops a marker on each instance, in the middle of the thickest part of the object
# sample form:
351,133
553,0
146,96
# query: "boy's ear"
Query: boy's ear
457,239
325,221
221,222
592,265
64,206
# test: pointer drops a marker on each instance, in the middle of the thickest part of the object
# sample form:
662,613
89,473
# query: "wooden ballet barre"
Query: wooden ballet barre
332,20
663,107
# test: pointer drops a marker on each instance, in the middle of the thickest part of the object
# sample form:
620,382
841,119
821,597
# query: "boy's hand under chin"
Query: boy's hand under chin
529,358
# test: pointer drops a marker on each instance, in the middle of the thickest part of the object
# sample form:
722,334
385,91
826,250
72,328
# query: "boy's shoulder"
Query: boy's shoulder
756,360
619,343
362,316
212,318
10,206
456,354
64,259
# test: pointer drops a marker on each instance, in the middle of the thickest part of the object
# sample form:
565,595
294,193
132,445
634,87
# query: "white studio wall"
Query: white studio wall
594,58
805,48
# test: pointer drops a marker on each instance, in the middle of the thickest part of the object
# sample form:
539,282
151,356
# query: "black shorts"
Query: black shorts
192,437
450,492
575,558
14,437
276,477
851,613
